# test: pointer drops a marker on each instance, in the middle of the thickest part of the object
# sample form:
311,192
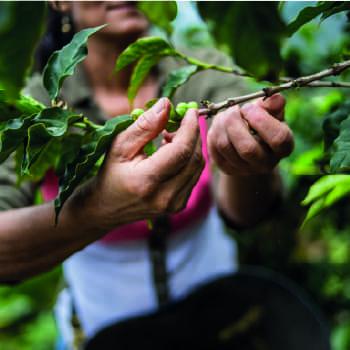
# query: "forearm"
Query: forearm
30,243
248,199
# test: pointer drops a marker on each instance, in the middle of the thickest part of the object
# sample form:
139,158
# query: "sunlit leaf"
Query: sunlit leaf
89,154
325,192
178,78
143,47
18,38
323,186
160,13
139,74
62,63
250,31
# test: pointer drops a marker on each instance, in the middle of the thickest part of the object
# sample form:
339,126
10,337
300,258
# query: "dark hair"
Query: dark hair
53,39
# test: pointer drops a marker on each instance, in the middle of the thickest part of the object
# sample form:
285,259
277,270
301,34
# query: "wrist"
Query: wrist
81,211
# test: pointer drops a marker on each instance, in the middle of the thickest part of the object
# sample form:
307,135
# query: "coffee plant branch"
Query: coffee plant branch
305,81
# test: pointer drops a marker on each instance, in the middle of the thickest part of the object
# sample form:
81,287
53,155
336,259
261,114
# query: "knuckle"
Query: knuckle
223,145
163,203
144,122
256,116
185,153
282,140
247,149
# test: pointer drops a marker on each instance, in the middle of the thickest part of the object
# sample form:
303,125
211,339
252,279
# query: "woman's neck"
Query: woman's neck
100,66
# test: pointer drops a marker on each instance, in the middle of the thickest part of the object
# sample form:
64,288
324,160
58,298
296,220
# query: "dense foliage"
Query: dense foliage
265,44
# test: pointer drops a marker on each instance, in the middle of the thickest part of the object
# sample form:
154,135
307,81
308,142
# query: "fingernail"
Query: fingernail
159,106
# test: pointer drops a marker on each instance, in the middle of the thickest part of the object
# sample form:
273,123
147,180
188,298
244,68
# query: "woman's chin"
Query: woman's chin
128,29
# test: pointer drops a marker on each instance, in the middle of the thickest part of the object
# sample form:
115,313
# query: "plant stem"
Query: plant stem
204,65
305,81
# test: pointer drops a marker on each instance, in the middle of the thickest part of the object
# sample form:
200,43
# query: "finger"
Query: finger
248,147
274,105
168,136
273,132
172,157
180,201
179,188
148,126
222,151
221,161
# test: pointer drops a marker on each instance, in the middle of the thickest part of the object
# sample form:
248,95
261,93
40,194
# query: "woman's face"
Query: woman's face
123,18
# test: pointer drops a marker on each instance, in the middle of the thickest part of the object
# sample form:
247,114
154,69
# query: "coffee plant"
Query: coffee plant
253,34
271,44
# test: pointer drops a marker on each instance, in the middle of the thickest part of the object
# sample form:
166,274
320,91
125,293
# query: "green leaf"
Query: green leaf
62,63
24,106
340,159
72,144
324,185
160,13
99,141
146,52
331,124
338,6
18,38
150,148
12,134
148,46
178,78
325,192
250,31
140,73
47,159
308,14
48,124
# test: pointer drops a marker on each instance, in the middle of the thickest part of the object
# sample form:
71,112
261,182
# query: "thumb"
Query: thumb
148,126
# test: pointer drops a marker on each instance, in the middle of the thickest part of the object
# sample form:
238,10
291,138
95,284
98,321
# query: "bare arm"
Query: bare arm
249,182
30,243
248,199
129,187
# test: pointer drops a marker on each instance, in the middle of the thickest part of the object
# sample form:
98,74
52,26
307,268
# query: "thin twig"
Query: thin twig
320,83
305,81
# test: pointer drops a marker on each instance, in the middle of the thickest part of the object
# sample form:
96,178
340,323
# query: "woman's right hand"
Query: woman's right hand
132,186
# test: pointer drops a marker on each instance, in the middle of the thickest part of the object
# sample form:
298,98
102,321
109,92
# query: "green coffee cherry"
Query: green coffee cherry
136,113
172,125
181,109
192,104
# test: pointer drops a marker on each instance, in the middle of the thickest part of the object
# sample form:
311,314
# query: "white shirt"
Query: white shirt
110,283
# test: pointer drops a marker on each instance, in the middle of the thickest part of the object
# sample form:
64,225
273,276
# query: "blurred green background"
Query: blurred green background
316,256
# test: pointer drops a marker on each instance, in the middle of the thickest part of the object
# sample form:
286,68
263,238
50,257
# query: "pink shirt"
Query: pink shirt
197,207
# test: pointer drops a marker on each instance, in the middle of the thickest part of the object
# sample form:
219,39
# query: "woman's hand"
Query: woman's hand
250,140
132,186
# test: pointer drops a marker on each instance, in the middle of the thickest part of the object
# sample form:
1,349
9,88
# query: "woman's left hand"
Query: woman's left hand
252,139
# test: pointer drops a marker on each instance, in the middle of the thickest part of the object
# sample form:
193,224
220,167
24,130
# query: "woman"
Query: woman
111,279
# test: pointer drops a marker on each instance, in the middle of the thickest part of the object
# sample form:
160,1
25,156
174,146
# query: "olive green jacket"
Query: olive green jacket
210,85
